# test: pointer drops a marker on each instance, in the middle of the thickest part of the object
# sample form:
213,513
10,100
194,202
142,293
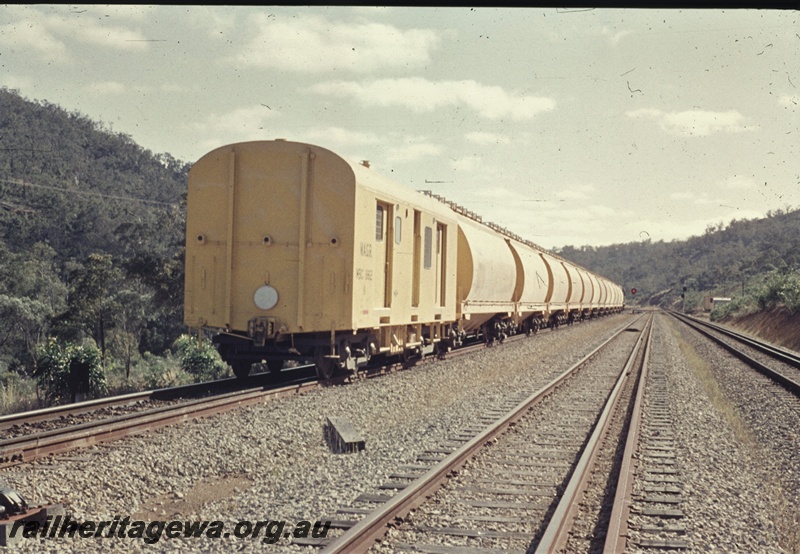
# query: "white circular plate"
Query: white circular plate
265,297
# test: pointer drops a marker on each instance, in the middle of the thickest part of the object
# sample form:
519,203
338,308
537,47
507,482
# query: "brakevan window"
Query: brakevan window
379,224
398,229
428,245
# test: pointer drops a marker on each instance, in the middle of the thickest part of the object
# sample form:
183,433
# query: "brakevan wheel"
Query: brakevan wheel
326,367
241,369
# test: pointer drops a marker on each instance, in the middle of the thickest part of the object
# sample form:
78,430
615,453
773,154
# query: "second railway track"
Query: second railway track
26,448
516,470
778,364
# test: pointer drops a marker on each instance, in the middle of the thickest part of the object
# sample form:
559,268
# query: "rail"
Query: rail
30,447
169,393
616,534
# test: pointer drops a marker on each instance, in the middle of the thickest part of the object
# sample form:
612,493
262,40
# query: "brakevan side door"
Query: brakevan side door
383,236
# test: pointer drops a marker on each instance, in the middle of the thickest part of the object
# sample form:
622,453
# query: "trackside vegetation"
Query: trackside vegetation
91,261
775,289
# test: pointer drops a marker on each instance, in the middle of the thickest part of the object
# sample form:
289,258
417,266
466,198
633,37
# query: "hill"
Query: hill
724,261
91,236
67,181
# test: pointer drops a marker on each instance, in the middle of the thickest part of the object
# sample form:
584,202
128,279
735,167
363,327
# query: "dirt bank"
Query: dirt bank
777,326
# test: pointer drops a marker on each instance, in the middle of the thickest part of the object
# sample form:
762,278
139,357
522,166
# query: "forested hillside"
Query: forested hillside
724,261
91,239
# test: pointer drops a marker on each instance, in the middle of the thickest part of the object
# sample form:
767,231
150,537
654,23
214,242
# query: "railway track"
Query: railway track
778,364
62,428
513,485
22,422
646,510
28,447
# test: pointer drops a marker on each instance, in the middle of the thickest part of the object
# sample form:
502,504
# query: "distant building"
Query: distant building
711,302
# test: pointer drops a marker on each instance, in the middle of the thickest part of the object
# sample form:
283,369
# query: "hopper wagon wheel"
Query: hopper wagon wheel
526,328
441,350
274,366
326,367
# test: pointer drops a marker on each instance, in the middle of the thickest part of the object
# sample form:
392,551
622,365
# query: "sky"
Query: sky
566,126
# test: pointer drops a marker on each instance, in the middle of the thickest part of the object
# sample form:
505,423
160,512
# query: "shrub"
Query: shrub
783,289
67,372
776,289
203,361
162,372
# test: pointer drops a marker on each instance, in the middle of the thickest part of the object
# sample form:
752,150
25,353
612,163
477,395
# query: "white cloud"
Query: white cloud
559,36
694,122
466,163
130,11
33,35
547,223
243,121
90,32
421,95
106,87
479,137
215,20
414,151
577,192
739,182
688,197
340,136
48,35
614,37
497,193
313,44
15,82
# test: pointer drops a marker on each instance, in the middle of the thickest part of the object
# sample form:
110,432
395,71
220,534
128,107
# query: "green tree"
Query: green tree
129,307
31,293
91,308
163,276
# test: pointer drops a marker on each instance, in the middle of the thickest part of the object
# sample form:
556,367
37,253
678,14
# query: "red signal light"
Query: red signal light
633,291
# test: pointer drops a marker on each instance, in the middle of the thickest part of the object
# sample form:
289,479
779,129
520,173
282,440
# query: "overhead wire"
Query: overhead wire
89,193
